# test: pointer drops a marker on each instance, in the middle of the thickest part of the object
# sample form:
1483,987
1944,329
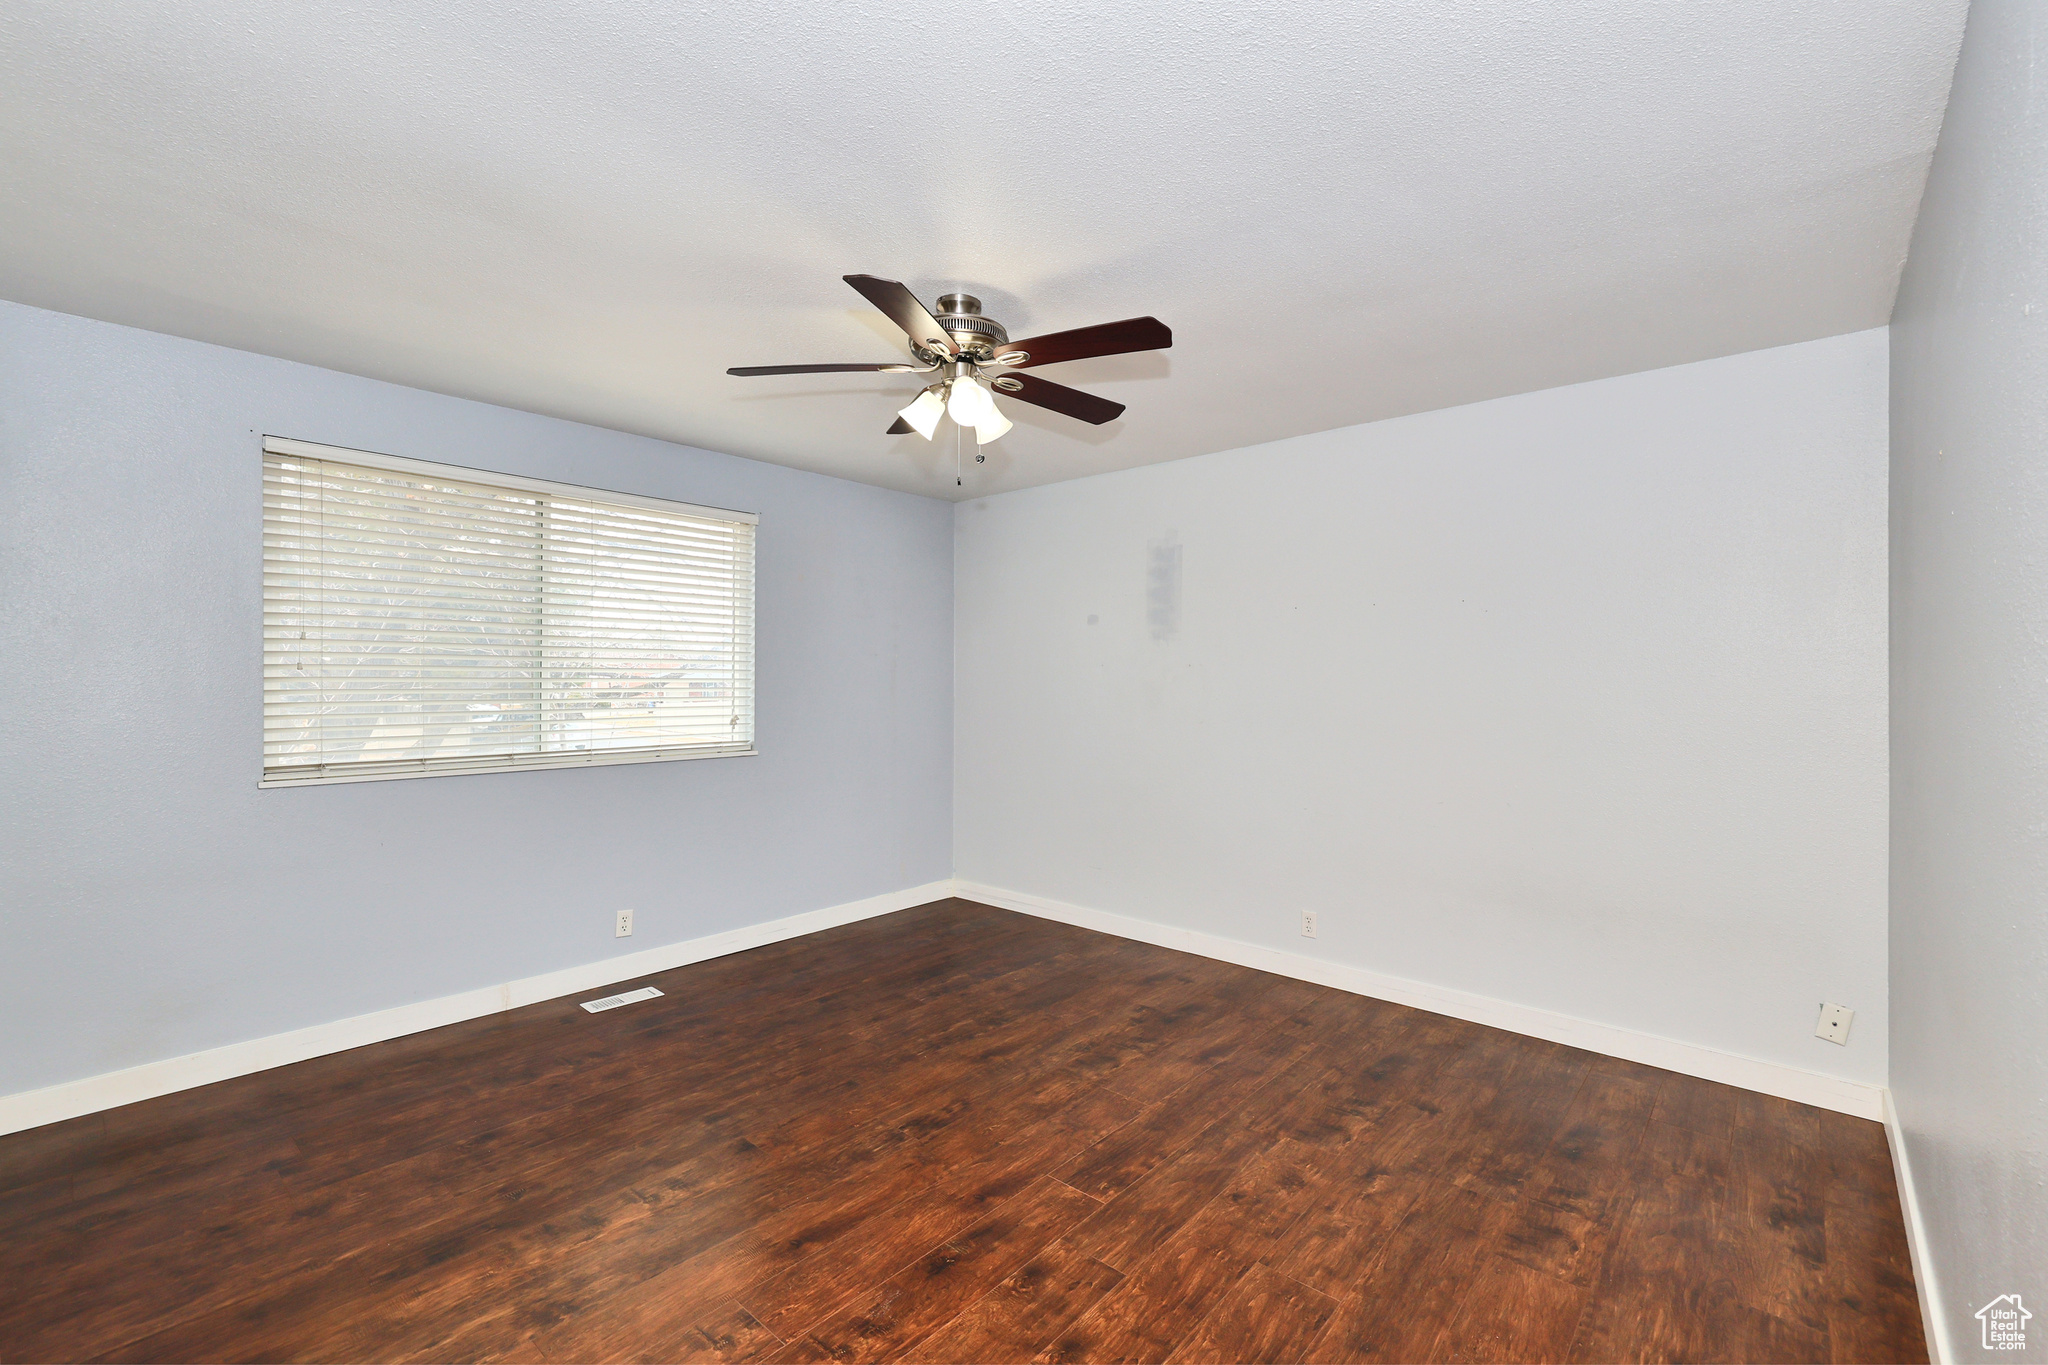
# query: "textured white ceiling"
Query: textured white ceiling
1346,211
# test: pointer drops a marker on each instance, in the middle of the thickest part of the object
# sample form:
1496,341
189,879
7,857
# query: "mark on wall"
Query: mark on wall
1162,588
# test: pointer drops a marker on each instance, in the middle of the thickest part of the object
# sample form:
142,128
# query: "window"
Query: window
421,619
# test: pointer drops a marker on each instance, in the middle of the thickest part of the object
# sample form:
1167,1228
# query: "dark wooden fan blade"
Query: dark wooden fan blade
905,311
899,427
823,369
1105,338
1058,397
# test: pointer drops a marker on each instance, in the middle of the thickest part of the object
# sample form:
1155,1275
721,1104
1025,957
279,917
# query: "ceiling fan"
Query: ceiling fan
976,359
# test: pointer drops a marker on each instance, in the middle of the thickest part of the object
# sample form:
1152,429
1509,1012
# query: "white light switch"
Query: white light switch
1834,1023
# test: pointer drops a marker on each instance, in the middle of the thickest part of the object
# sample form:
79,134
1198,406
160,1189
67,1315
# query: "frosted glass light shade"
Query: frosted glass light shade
992,427
924,412
971,404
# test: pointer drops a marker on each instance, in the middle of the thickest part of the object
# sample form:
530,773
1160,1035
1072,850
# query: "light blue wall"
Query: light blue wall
1573,699
1969,929
154,902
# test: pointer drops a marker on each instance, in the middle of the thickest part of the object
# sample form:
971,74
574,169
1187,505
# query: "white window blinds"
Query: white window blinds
422,619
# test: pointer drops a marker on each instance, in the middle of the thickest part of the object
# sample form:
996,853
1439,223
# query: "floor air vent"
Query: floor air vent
612,1002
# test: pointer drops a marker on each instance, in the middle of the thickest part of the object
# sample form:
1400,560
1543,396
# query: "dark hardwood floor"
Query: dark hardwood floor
958,1134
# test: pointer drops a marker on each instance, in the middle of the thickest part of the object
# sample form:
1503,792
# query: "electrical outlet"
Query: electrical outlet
1308,924
624,928
1834,1023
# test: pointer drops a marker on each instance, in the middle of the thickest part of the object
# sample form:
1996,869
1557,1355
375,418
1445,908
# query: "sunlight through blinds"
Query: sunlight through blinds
421,619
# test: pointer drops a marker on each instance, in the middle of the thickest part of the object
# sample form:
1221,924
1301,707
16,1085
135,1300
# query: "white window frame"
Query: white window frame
280,445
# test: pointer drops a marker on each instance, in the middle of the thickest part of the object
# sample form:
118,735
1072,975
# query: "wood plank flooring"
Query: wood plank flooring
958,1134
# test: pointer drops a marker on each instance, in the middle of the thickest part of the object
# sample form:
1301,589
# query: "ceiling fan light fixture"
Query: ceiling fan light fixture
992,427
958,348
924,412
971,403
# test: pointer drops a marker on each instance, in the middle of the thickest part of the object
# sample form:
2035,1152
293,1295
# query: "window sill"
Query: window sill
508,766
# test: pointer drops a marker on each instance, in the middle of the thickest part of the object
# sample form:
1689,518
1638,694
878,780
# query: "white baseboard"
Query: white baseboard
1750,1073
33,1108
1933,1321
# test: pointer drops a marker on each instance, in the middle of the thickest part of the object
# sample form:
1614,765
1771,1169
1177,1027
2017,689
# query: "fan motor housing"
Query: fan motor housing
960,315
